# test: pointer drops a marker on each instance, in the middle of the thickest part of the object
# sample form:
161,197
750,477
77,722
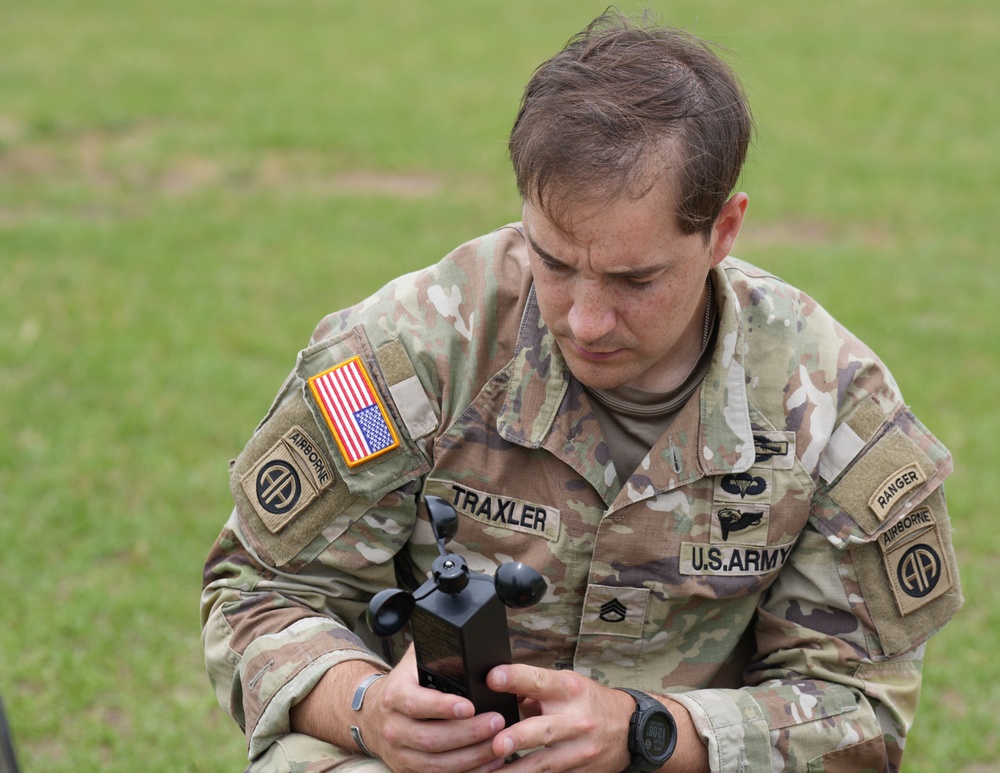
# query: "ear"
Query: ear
727,226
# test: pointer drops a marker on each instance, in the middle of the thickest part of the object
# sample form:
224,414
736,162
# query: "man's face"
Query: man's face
623,290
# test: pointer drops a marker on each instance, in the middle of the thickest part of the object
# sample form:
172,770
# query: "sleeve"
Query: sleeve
315,532
840,635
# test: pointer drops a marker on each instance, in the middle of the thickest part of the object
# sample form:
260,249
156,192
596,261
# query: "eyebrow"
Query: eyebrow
628,273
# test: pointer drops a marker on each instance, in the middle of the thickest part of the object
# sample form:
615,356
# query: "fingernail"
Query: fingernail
508,747
496,724
499,678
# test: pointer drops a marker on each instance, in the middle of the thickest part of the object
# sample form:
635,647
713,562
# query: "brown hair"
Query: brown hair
622,106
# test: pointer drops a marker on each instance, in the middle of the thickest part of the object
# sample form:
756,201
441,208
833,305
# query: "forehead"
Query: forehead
571,208
624,232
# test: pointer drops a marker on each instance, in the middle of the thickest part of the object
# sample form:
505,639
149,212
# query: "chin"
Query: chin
597,377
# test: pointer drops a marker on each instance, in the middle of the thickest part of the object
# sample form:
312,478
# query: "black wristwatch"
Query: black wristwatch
652,734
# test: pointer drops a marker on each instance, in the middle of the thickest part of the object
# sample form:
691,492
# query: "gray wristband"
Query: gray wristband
356,704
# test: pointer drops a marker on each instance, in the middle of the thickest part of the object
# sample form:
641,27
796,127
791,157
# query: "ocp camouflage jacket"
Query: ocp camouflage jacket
776,562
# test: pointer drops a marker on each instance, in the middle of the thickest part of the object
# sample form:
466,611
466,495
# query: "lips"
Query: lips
593,356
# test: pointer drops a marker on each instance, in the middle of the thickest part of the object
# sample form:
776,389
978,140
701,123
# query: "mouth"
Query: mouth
591,355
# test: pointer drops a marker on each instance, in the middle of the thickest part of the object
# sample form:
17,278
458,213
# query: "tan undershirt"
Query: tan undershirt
632,419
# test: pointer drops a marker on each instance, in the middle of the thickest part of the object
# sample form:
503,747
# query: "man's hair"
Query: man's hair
623,106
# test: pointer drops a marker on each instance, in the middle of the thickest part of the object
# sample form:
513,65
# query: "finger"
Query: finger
541,759
403,694
448,735
432,747
539,684
530,733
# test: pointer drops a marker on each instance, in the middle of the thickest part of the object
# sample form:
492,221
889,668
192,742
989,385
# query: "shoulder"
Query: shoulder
488,274
350,424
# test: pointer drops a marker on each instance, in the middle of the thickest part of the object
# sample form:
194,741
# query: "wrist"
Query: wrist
325,712
652,734
691,753
357,704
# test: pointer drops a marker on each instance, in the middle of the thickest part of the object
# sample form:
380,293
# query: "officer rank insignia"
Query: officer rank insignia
354,412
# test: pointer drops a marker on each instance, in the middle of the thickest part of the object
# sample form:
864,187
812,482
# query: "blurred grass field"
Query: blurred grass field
187,187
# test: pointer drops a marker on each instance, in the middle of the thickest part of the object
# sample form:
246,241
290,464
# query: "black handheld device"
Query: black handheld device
458,618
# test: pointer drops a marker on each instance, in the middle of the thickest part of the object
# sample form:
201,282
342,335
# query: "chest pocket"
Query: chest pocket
681,574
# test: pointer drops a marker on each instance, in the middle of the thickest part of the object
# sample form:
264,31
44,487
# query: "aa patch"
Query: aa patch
354,412
916,562
287,479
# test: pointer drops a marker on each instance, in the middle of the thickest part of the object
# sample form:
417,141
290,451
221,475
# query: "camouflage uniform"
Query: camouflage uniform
776,562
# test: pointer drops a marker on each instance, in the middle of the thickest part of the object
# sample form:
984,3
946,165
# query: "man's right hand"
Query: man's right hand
395,721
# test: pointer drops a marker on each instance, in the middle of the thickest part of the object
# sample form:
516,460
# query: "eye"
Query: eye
552,265
638,284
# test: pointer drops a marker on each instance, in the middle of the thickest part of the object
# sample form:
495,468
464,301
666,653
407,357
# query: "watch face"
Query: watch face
656,736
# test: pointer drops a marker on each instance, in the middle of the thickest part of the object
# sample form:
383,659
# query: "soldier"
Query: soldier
739,518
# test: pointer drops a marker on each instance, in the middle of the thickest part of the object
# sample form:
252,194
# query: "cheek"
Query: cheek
651,317
553,299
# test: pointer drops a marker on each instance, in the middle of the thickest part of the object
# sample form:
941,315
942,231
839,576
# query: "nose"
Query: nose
592,315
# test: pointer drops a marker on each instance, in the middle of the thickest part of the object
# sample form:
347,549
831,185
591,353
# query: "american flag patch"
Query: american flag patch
353,412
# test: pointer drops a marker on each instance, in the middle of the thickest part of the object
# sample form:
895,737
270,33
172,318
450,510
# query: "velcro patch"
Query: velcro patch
917,566
407,392
614,611
894,488
845,444
287,479
909,577
736,560
354,412
887,479
498,510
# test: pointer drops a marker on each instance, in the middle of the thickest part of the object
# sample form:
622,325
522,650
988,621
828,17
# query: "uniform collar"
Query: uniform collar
546,407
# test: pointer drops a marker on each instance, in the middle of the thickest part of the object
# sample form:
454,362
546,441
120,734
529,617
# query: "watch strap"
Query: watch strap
644,704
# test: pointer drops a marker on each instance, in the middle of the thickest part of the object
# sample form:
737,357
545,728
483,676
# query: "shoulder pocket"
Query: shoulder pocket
352,403
887,508
887,478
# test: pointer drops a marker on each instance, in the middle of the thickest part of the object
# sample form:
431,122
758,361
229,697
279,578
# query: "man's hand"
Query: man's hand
573,723
396,721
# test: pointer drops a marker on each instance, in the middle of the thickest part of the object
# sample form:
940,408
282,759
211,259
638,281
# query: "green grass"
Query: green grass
187,187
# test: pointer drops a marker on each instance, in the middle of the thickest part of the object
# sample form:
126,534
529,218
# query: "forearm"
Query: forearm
326,712
264,649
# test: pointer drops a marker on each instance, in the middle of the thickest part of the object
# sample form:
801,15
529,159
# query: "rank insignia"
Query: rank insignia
354,412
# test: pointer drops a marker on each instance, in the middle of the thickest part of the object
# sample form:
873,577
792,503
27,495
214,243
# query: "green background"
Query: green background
186,187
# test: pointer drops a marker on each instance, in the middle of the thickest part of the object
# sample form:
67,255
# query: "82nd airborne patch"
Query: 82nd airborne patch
286,479
915,561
